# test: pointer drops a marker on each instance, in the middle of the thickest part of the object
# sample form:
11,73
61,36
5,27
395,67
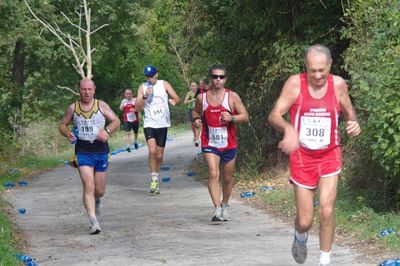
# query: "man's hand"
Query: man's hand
353,128
226,117
198,123
103,135
290,141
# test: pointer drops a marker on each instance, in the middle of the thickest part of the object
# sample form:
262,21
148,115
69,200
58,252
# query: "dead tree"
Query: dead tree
79,44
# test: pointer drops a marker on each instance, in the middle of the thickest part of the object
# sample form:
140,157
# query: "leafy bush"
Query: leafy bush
373,62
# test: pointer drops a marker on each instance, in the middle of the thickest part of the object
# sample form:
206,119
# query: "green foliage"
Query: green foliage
7,244
373,62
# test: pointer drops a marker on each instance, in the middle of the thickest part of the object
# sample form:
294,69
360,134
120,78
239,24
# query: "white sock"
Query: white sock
154,176
325,257
302,237
92,220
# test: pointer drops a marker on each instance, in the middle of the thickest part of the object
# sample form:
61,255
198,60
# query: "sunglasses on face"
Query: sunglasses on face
147,76
218,76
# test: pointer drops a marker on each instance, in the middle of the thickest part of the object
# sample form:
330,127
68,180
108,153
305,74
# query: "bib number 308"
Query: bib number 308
315,132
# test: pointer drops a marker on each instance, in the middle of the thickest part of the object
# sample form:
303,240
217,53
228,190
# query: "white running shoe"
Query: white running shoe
95,228
226,213
299,250
217,215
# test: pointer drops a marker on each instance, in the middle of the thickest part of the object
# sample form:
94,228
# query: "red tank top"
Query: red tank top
316,120
129,114
216,134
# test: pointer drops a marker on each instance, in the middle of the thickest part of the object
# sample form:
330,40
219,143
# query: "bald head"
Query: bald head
86,83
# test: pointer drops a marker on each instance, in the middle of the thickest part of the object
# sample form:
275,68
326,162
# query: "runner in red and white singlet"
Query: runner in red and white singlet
314,100
217,134
316,123
131,119
217,111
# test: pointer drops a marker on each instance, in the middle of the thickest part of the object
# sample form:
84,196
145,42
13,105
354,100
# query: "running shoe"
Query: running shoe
154,187
99,205
226,213
299,250
217,215
95,228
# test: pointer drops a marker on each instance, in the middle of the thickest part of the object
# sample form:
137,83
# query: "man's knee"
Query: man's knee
304,222
213,174
99,192
326,212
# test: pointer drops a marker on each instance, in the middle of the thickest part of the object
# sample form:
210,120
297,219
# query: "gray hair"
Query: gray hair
319,48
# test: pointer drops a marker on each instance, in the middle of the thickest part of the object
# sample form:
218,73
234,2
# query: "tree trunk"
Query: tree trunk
19,63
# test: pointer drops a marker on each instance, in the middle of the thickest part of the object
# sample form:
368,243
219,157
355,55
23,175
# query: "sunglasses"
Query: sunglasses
218,76
148,76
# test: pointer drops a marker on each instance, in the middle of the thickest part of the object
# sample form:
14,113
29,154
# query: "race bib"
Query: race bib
88,130
157,111
218,137
315,132
131,116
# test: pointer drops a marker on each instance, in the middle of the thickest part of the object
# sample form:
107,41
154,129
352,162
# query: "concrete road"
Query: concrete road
139,228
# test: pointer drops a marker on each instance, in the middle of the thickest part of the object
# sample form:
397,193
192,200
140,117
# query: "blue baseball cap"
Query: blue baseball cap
150,70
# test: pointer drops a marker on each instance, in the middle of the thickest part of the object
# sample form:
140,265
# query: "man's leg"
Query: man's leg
304,200
327,191
159,157
213,161
227,182
128,137
99,189
87,178
151,145
305,207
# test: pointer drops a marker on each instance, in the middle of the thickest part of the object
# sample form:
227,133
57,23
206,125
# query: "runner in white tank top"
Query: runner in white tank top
152,97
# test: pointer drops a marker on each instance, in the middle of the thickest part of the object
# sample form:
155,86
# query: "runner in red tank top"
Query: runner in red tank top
217,134
217,111
131,119
314,100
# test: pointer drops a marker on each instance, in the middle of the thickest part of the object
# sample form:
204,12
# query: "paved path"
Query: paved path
172,228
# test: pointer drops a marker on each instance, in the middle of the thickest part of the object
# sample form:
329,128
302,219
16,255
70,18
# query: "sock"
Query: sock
302,237
154,176
325,257
92,220
223,205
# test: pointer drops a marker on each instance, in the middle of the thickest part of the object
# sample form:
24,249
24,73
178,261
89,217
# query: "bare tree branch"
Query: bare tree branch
183,66
68,89
81,53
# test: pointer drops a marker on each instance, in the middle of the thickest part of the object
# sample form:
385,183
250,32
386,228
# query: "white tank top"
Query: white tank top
156,108
88,123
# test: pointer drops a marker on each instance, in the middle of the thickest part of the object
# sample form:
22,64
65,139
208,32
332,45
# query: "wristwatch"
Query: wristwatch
108,131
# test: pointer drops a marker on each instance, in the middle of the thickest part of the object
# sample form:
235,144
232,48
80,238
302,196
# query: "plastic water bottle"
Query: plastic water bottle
390,262
150,96
9,184
22,183
75,131
190,173
266,188
164,167
21,210
166,179
247,194
387,232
